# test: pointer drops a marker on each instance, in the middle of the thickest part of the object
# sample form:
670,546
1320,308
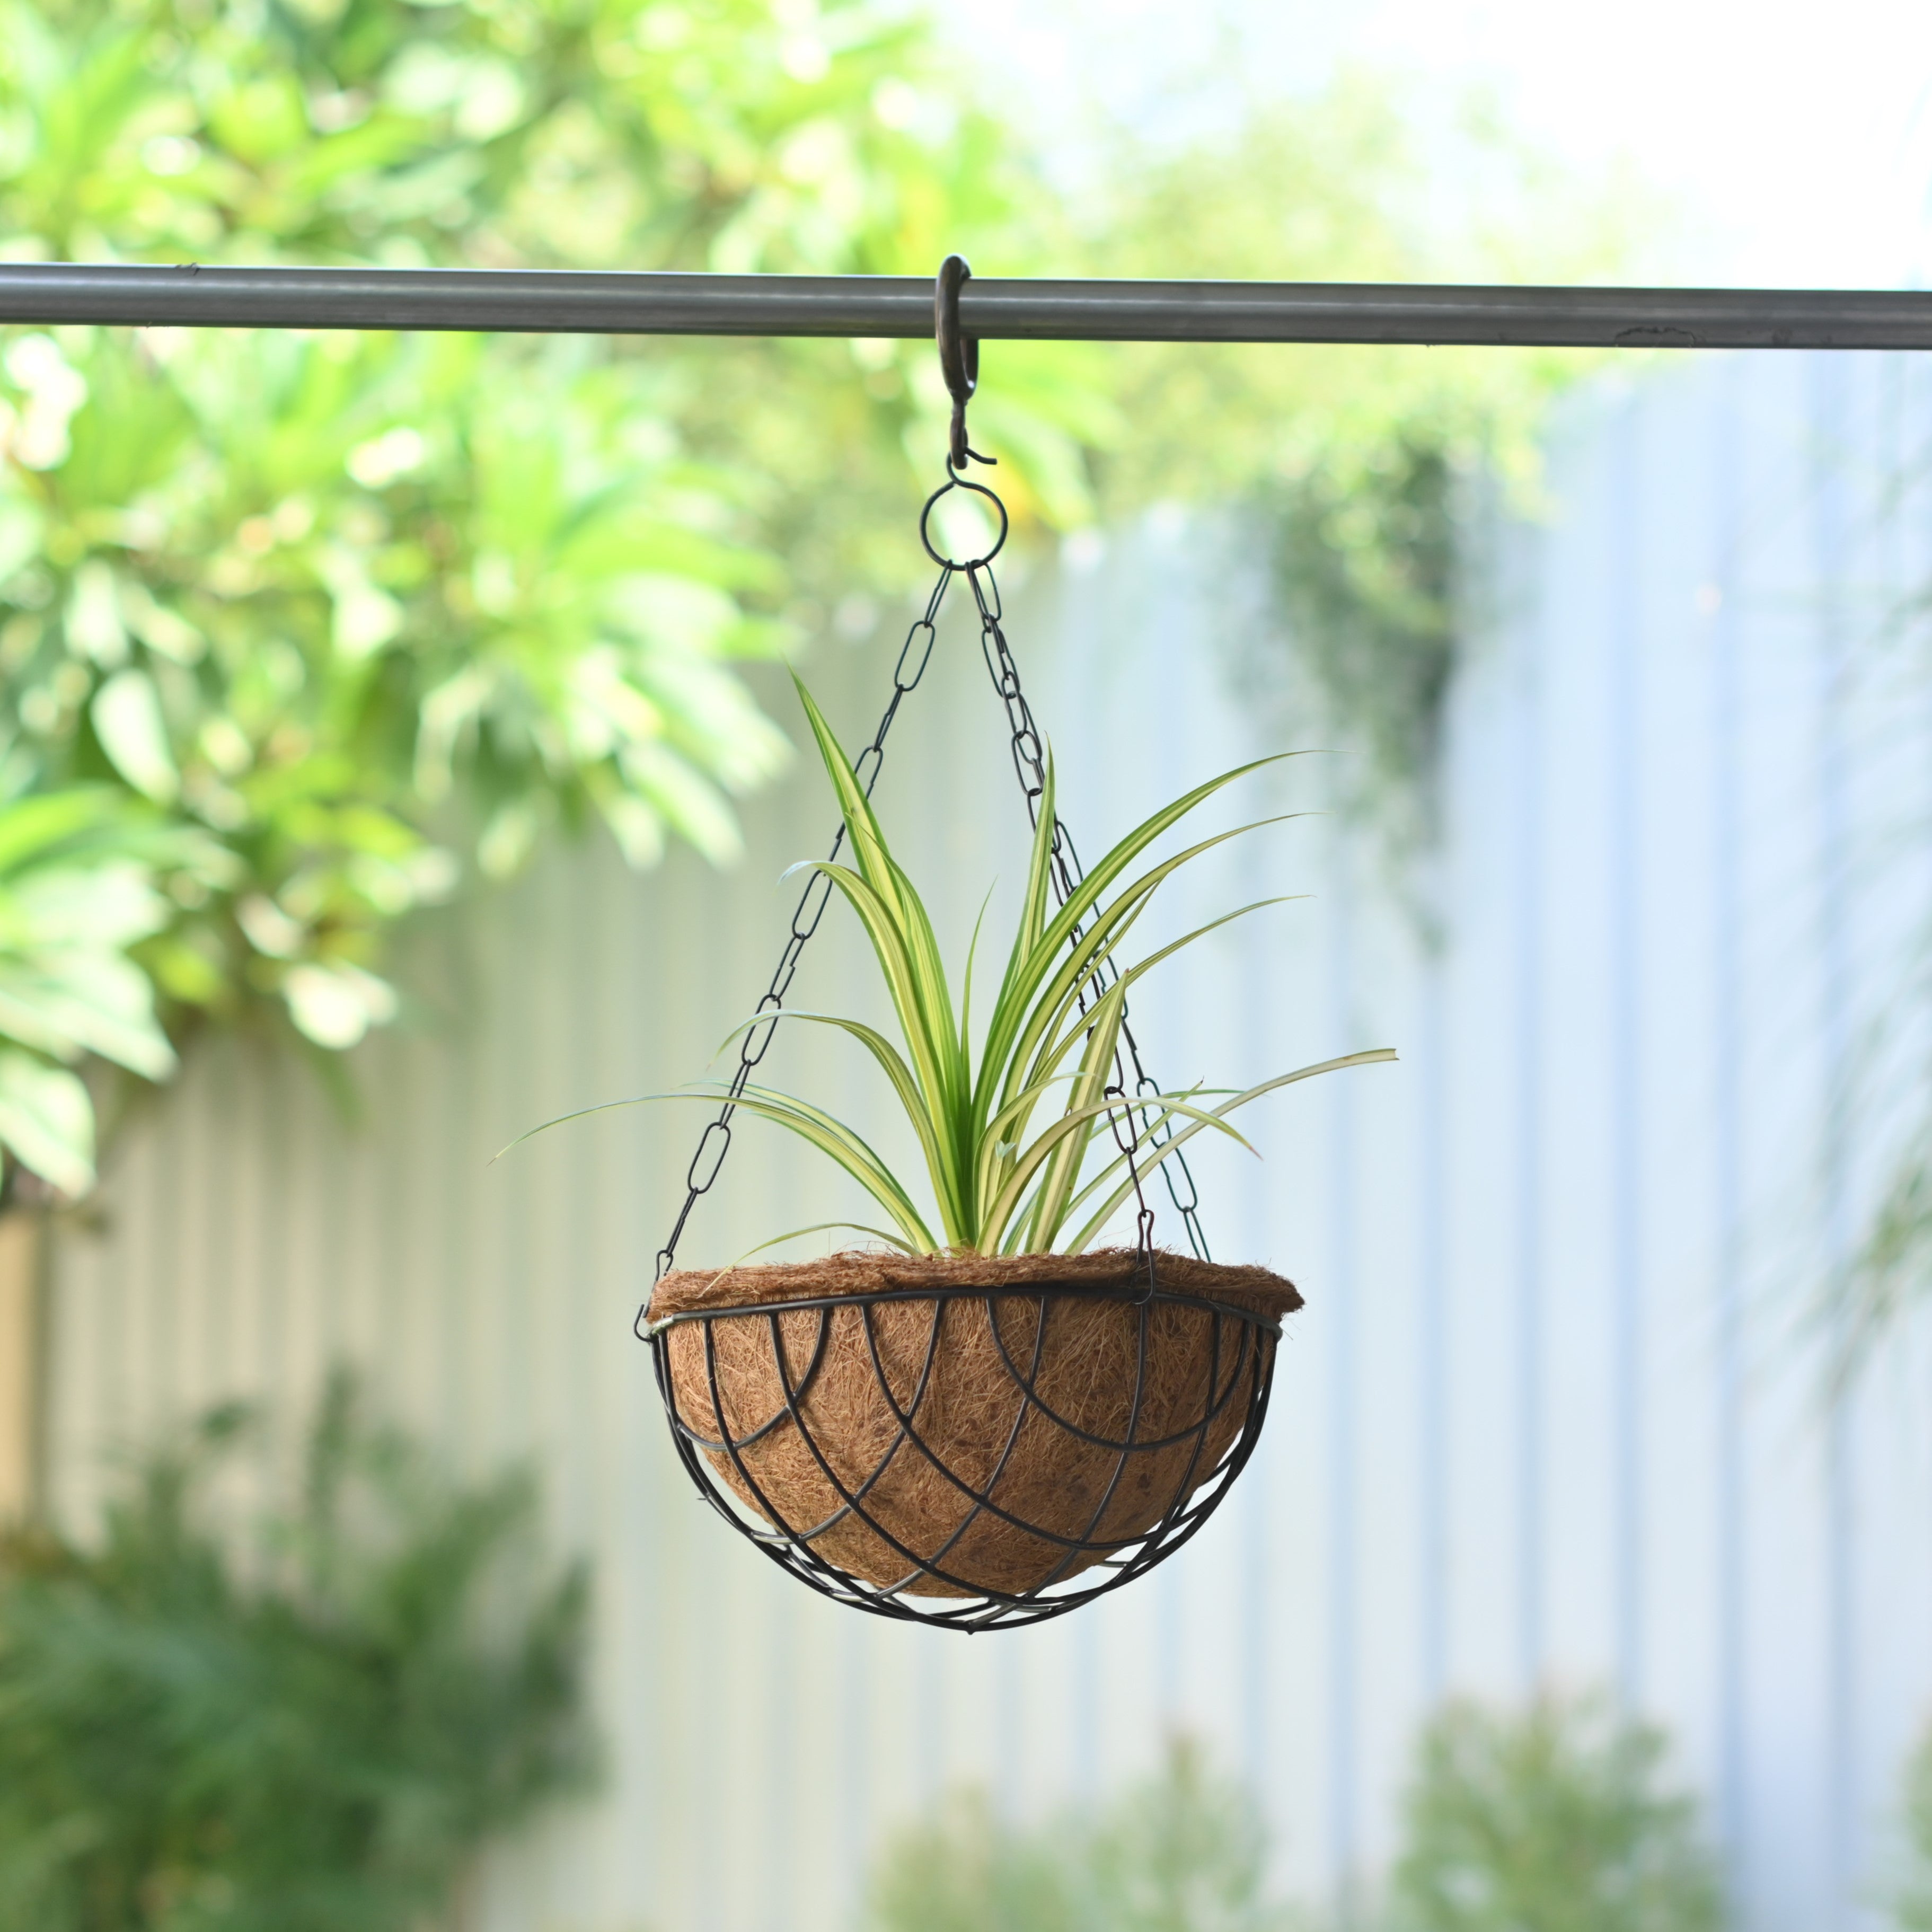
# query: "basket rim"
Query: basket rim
857,1274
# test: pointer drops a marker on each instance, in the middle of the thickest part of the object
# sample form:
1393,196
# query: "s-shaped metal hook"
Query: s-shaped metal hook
958,357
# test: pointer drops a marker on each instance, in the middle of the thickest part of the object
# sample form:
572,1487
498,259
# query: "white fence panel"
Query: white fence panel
1547,1416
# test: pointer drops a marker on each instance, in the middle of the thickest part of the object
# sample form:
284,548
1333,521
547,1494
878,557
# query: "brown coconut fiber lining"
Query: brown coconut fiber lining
969,1424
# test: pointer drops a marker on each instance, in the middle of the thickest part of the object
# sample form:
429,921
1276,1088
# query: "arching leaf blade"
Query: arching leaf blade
1065,972
939,1165
1168,1148
1050,1054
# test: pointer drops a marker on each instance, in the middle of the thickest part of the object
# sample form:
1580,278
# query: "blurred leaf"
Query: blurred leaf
46,1121
336,1006
1889,1276
71,999
127,718
77,872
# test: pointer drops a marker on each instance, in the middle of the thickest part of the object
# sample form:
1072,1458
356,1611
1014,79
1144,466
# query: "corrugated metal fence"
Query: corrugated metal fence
1552,1413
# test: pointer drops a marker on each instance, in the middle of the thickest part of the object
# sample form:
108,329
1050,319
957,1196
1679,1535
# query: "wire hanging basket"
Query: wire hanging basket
973,1441
965,1441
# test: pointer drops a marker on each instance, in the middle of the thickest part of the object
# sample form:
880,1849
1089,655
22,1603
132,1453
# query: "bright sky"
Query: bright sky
1795,142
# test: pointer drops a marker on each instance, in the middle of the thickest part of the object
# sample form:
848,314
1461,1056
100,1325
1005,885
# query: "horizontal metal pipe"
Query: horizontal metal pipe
991,309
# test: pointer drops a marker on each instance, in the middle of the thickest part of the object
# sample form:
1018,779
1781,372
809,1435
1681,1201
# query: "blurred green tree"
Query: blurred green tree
370,611
316,1732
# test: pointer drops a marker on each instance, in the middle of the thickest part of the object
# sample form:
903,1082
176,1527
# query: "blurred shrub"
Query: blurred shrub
1914,1903
1369,579
1556,1820
1552,1821
316,1735
1184,1852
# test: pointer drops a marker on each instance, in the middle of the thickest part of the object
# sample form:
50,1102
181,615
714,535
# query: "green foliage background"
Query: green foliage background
369,614
303,590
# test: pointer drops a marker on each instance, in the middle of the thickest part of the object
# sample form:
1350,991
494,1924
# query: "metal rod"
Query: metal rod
991,309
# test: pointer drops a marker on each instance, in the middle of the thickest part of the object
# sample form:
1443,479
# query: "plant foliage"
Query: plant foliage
1185,1851
1554,1819
1002,1185
1366,577
1889,1274
316,1739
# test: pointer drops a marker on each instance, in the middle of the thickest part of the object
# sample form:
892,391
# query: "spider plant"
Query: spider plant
1007,1132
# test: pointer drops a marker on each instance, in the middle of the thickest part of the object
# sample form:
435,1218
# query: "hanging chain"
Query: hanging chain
1029,757
1029,753
715,1141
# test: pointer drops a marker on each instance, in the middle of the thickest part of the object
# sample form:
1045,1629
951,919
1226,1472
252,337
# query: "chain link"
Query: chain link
715,1141
1029,757
1029,753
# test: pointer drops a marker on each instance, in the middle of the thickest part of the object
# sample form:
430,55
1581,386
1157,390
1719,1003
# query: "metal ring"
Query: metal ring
962,563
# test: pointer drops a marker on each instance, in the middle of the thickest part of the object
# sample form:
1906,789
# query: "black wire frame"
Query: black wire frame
1249,1340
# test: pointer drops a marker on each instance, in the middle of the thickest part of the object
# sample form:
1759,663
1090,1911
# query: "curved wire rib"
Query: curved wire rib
851,1499
982,1500
1184,1488
789,1410
1029,1386
1127,1449
778,1415
1013,1434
